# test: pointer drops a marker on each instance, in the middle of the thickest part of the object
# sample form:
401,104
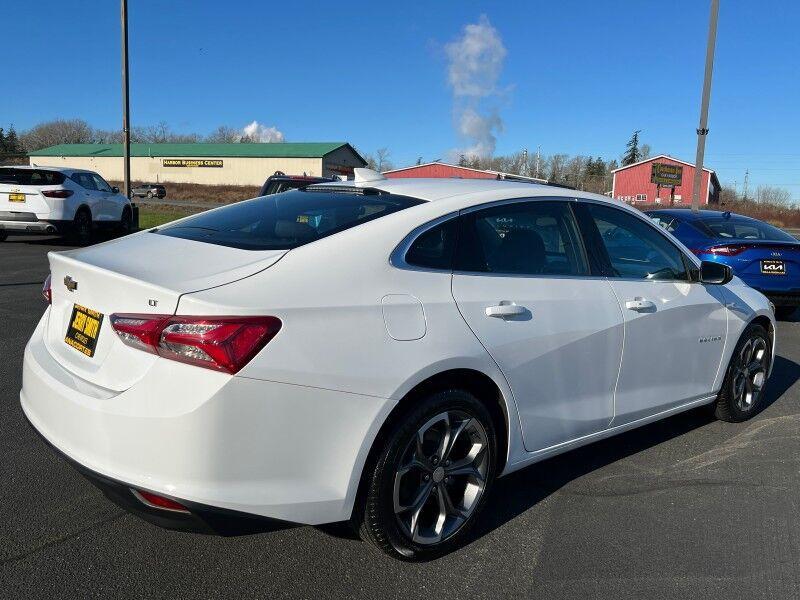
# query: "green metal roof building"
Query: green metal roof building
232,164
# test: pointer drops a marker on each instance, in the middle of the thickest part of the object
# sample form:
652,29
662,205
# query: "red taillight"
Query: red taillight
57,193
47,292
219,343
727,250
156,501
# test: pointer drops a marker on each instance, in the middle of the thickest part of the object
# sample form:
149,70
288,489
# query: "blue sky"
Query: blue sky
576,76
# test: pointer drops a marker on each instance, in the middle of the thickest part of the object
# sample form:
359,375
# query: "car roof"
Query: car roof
65,170
467,192
690,215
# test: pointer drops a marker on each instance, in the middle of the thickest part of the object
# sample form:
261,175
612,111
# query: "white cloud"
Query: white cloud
476,60
261,133
475,63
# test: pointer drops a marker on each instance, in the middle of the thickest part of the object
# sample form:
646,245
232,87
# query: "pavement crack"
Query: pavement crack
62,538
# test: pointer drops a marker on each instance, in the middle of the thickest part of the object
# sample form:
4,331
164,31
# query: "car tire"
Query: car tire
82,226
785,312
149,195
408,485
126,221
3,236
743,387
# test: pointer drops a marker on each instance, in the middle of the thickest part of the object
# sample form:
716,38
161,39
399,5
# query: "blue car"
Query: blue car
763,256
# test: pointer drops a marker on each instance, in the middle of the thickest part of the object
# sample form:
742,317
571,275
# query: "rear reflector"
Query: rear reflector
57,193
219,343
155,501
47,292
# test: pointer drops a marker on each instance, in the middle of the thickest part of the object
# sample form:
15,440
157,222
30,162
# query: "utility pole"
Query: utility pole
702,131
538,151
746,179
525,162
126,121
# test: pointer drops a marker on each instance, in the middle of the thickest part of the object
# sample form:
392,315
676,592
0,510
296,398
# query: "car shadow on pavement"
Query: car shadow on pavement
518,492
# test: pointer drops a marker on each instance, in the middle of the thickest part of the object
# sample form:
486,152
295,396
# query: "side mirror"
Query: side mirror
715,273
115,189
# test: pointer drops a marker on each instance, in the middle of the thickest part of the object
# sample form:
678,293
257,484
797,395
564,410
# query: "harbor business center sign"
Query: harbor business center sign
191,162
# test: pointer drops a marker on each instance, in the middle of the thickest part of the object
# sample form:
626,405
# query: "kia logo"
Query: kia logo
71,284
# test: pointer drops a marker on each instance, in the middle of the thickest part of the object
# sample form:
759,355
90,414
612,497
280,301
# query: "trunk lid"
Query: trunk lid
24,198
751,260
144,273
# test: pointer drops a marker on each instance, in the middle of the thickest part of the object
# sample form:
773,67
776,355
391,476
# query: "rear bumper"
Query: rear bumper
286,452
30,224
200,519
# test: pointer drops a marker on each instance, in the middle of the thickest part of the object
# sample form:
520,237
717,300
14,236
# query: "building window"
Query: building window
641,197
678,199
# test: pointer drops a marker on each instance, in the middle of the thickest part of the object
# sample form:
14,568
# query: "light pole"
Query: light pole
702,131
126,122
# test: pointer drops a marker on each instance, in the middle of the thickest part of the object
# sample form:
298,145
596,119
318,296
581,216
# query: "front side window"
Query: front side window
100,183
636,250
521,238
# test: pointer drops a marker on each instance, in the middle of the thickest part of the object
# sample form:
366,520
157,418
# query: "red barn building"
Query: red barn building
439,169
633,184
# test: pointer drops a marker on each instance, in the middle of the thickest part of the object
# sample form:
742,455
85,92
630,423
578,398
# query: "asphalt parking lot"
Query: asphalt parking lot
687,507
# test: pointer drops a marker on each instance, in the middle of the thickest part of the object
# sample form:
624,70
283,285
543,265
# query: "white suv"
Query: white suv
53,200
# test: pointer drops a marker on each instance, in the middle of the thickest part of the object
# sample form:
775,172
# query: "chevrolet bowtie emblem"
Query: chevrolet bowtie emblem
71,284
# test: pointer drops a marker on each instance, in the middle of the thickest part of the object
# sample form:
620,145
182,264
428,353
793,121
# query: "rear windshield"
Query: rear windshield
741,229
285,221
30,176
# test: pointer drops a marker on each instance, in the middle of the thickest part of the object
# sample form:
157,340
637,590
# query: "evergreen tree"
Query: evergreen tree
12,142
632,153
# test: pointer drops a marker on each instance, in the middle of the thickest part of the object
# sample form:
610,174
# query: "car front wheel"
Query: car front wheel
743,388
431,477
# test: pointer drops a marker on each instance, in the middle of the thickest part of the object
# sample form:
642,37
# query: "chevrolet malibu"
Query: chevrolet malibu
378,351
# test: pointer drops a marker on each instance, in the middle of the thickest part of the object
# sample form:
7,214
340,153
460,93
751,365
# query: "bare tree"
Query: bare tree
224,135
60,131
382,162
769,194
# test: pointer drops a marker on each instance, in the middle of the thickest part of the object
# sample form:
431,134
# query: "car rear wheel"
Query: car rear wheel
149,194
785,312
743,388
82,225
430,478
3,236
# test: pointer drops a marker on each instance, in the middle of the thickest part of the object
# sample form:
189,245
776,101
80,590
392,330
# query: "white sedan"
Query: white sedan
59,200
378,351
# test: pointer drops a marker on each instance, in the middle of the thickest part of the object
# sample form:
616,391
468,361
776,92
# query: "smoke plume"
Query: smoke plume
257,132
475,62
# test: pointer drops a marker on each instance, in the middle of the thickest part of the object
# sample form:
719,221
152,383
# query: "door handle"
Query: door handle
640,304
503,310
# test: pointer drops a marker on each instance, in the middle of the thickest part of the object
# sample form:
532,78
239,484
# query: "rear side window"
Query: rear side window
434,248
523,238
286,221
85,180
31,176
